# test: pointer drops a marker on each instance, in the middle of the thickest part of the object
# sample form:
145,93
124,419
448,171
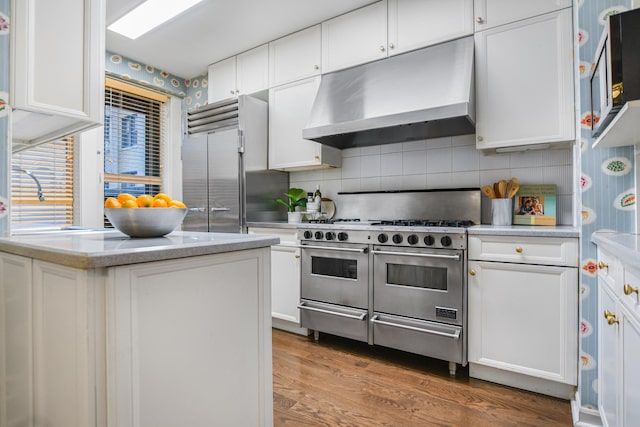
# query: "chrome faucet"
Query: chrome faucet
32,176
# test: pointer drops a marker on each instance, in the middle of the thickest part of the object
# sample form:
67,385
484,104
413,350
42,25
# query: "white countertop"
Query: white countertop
90,248
526,230
625,246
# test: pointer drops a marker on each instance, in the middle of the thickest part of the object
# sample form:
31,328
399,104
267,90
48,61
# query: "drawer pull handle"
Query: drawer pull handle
602,265
472,272
519,249
628,289
611,317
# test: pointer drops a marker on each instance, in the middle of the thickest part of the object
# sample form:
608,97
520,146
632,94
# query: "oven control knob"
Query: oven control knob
446,241
397,239
330,235
342,236
308,234
319,235
429,240
412,239
382,238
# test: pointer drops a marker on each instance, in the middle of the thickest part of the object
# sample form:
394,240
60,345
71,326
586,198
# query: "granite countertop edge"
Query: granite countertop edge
624,246
275,224
525,230
52,249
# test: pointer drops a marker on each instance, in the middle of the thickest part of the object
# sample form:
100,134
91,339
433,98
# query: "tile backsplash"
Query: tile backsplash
447,162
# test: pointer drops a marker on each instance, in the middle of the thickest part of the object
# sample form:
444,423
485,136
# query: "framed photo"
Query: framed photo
535,205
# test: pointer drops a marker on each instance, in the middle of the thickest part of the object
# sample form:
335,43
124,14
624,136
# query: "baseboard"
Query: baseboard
583,416
289,326
525,382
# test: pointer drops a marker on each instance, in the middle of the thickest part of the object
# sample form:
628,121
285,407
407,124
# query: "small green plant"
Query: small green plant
295,197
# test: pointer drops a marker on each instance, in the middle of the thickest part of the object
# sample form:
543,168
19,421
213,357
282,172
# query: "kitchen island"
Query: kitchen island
98,329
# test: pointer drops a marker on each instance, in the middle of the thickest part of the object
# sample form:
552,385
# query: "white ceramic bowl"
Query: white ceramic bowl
145,222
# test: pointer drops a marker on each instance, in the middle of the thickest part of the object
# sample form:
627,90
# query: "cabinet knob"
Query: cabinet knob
480,138
602,265
232,91
479,20
392,46
316,67
628,289
316,157
237,91
519,249
382,49
472,272
297,256
610,317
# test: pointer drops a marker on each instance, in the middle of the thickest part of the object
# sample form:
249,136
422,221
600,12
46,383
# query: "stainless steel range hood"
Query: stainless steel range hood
422,94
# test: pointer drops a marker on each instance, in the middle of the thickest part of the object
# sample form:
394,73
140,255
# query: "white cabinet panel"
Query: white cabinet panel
532,250
222,80
355,38
252,70
631,371
491,13
296,56
607,360
524,78
418,23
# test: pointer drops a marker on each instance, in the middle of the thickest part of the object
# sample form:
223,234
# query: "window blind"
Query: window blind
52,166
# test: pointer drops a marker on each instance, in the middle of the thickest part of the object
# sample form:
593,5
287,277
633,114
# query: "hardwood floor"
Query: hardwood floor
339,382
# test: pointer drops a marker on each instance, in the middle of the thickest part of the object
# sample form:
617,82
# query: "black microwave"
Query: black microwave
615,78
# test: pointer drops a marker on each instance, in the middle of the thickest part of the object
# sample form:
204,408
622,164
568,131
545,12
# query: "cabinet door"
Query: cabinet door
608,369
296,56
222,80
252,72
524,79
417,23
285,283
355,37
515,310
630,377
491,13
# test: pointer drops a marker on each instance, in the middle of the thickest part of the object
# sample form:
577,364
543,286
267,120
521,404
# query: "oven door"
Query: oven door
425,284
335,273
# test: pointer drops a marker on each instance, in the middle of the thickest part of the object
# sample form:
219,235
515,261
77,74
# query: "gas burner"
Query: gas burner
333,220
423,223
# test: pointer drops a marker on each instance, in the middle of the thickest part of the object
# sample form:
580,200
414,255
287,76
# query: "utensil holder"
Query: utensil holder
501,211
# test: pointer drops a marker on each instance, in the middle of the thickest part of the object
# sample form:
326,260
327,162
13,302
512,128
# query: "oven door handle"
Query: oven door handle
303,306
375,319
441,256
335,248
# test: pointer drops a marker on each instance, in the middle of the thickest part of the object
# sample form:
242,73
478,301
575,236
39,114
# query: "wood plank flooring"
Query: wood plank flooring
340,382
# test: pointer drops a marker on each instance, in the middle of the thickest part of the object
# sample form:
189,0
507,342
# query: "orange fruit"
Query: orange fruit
159,203
144,201
123,197
163,196
130,204
177,204
112,202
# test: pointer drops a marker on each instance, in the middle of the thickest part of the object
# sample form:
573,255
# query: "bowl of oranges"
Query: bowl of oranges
144,215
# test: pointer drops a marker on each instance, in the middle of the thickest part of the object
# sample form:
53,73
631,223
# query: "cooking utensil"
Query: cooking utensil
488,191
513,190
496,190
502,186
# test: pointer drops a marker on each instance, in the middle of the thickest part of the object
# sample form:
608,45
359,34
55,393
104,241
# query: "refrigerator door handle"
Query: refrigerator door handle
195,209
220,209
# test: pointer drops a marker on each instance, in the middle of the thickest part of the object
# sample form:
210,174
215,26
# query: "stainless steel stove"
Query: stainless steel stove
399,283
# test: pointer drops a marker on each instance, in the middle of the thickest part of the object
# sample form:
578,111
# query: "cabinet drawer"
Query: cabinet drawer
288,236
529,250
629,289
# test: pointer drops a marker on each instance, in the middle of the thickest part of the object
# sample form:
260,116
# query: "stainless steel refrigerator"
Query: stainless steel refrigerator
225,178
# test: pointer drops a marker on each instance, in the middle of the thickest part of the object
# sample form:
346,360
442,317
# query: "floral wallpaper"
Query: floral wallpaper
608,193
196,91
5,150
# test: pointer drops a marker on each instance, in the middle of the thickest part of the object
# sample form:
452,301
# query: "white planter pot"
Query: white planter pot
295,217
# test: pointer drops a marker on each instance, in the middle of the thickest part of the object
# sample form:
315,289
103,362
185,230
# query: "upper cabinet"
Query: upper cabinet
492,13
296,56
413,24
525,81
245,73
57,69
391,27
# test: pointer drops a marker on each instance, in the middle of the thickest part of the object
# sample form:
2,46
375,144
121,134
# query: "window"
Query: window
45,170
133,129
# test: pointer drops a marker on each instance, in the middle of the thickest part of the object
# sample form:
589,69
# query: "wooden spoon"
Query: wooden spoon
502,186
488,191
496,190
514,189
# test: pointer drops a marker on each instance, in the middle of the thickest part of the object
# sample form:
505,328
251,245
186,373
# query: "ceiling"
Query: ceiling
217,29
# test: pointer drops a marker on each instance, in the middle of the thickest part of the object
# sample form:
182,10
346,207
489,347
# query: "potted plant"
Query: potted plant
295,197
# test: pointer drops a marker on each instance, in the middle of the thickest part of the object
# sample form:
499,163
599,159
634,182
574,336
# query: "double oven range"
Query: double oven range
396,283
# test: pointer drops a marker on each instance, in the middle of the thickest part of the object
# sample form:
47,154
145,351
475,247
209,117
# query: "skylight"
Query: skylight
149,15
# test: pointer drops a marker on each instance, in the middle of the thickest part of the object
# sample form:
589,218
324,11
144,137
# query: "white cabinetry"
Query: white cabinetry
285,279
523,297
289,108
296,56
57,69
524,82
243,74
619,342
491,13
418,23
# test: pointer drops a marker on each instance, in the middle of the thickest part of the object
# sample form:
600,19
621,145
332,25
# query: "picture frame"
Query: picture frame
535,204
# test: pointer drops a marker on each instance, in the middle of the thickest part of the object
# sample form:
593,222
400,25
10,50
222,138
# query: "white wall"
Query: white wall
443,163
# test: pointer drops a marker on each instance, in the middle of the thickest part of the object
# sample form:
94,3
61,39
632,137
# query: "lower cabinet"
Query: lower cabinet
285,279
523,317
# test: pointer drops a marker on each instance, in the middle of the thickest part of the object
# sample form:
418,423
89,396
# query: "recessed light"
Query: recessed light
149,15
